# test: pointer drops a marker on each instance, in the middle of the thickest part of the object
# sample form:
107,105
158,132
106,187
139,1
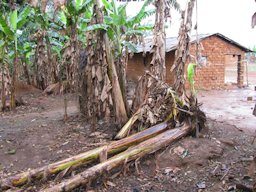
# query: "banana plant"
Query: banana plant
73,17
123,32
25,52
10,25
46,35
3,63
122,29
49,35
3,56
13,22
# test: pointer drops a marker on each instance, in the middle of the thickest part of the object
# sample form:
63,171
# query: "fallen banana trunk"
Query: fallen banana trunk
127,127
81,159
144,148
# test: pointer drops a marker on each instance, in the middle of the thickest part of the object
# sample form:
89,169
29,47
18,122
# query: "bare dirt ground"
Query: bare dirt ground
35,135
233,106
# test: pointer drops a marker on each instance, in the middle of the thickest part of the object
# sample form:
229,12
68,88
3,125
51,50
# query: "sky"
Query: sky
231,18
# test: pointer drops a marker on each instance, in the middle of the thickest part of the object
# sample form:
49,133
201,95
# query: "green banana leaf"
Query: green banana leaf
13,20
5,28
22,18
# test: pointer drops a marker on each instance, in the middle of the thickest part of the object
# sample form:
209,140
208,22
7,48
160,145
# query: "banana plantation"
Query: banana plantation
68,122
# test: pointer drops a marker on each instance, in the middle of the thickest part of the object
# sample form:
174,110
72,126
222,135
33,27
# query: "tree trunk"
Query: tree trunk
72,67
41,62
120,64
100,92
157,65
51,64
120,111
26,72
3,87
182,52
5,80
55,70
82,159
35,65
124,60
181,56
96,98
138,151
14,76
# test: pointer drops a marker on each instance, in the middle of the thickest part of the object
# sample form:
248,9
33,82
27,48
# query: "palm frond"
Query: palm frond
108,20
131,46
22,18
13,19
122,8
96,27
87,5
5,28
140,16
2,43
78,4
145,27
134,32
108,6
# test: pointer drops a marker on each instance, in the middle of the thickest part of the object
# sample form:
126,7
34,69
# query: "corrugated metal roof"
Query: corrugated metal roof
172,42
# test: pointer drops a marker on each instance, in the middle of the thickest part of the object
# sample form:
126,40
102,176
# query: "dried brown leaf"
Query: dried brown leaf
151,117
111,184
99,74
93,71
96,91
105,91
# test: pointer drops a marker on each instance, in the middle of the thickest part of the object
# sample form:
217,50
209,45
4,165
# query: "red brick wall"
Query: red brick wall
211,76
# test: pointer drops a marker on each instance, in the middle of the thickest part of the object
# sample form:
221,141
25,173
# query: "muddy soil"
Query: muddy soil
35,135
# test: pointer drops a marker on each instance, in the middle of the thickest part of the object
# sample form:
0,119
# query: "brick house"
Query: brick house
223,59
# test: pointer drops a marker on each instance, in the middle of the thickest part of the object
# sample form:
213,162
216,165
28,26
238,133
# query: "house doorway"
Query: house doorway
233,69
